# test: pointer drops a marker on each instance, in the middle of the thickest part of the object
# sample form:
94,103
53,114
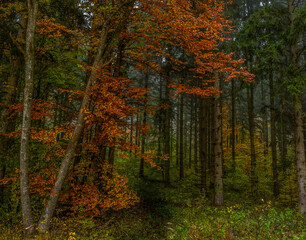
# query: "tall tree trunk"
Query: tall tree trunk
218,186
203,144
211,137
178,131
191,132
273,138
105,46
300,153
233,127
250,93
283,138
26,118
265,121
182,136
167,130
196,100
143,139
298,117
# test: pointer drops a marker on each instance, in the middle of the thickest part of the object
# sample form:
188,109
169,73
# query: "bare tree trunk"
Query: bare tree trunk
26,119
182,137
283,138
218,186
203,145
300,153
177,131
265,121
143,139
167,131
252,140
211,145
273,138
233,127
191,132
196,133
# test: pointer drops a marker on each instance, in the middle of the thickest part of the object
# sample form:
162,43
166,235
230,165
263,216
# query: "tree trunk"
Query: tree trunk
300,153
218,186
26,118
196,133
298,117
143,139
191,132
167,130
177,131
283,138
253,178
203,144
273,138
182,136
233,127
265,121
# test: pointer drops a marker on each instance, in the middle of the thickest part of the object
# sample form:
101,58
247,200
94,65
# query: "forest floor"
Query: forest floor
178,213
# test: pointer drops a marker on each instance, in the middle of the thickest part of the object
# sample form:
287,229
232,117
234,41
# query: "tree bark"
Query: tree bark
26,118
250,93
300,153
283,138
143,139
203,145
167,129
196,133
182,136
190,132
218,186
273,138
233,126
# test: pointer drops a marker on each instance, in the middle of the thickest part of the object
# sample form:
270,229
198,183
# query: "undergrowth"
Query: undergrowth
179,212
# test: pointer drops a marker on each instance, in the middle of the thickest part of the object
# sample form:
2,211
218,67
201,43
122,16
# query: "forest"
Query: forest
152,119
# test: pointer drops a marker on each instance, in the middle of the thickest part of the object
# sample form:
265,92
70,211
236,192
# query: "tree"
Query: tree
106,45
298,110
32,7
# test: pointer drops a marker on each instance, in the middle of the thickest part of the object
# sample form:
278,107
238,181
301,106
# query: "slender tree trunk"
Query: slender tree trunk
265,121
191,132
167,126
177,131
196,133
273,138
26,119
203,144
218,186
182,136
167,130
233,127
211,145
143,139
252,140
283,138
